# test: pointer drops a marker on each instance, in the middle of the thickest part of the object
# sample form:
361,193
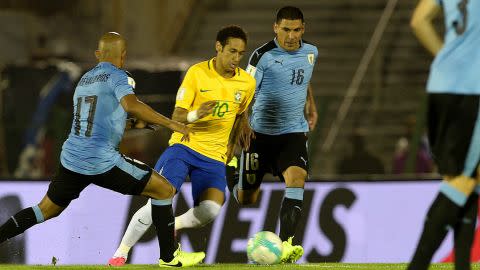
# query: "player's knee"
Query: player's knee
247,197
48,209
159,194
299,183
462,183
295,176
246,201
207,211
159,188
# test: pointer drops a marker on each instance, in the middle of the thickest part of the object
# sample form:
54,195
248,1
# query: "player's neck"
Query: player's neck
114,62
222,72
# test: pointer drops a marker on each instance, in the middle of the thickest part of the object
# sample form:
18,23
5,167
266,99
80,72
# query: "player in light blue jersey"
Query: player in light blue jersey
283,81
102,99
283,112
453,125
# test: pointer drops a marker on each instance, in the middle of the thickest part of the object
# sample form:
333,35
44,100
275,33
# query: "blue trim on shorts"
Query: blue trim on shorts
456,196
38,214
295,193
131,169
473,155
161,202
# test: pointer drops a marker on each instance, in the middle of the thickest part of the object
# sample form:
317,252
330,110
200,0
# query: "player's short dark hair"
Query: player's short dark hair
289,13
231,31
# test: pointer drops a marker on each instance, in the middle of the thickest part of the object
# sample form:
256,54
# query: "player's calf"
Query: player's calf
140,222
247,197
444,213
158,188
464,232
29,217
198,216
20,222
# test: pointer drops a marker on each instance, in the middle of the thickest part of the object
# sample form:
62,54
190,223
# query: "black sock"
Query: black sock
164,221
17,224
290,214
442,214
464,232
232,177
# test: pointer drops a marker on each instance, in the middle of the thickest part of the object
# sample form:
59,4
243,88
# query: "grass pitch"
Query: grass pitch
320,266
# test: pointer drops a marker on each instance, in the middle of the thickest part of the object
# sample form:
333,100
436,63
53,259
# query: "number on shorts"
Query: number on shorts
251,161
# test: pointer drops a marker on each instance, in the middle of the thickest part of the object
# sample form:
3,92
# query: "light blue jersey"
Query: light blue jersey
456,68
99,121
282,83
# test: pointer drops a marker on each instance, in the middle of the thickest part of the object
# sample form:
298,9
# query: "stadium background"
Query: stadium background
367,151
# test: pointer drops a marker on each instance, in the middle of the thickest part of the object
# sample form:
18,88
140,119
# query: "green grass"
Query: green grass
329,266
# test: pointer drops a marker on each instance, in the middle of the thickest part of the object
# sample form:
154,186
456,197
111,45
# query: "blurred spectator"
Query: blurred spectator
360,161
423,159
32,161
47,51
40,52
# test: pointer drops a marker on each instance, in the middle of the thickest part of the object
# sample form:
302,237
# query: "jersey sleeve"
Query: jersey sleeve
256,67
248,98
187,91
121,84
316,55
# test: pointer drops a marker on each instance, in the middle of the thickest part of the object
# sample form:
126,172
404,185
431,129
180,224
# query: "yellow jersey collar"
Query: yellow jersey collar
211,66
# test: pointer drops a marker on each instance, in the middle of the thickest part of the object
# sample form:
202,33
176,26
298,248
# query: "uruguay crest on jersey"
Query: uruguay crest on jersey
311,58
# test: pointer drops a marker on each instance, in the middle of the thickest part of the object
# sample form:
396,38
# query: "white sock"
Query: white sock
198,216
137,227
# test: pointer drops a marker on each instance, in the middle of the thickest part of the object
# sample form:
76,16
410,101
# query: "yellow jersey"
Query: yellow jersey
202,83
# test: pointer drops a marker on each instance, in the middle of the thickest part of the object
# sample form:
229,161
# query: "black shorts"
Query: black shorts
454,133
129,176
271,154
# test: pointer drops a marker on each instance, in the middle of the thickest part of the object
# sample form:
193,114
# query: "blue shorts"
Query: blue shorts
179,161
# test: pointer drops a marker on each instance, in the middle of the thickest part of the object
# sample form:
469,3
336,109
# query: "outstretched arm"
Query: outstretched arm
143,112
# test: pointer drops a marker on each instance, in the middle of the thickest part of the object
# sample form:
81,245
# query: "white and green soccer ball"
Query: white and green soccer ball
264,248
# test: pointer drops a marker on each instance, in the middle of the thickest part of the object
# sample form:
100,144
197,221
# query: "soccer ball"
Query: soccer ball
264,248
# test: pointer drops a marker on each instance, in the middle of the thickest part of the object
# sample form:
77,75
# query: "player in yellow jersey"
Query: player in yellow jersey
213,100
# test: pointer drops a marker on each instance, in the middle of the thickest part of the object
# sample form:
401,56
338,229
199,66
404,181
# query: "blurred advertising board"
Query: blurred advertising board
342,222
